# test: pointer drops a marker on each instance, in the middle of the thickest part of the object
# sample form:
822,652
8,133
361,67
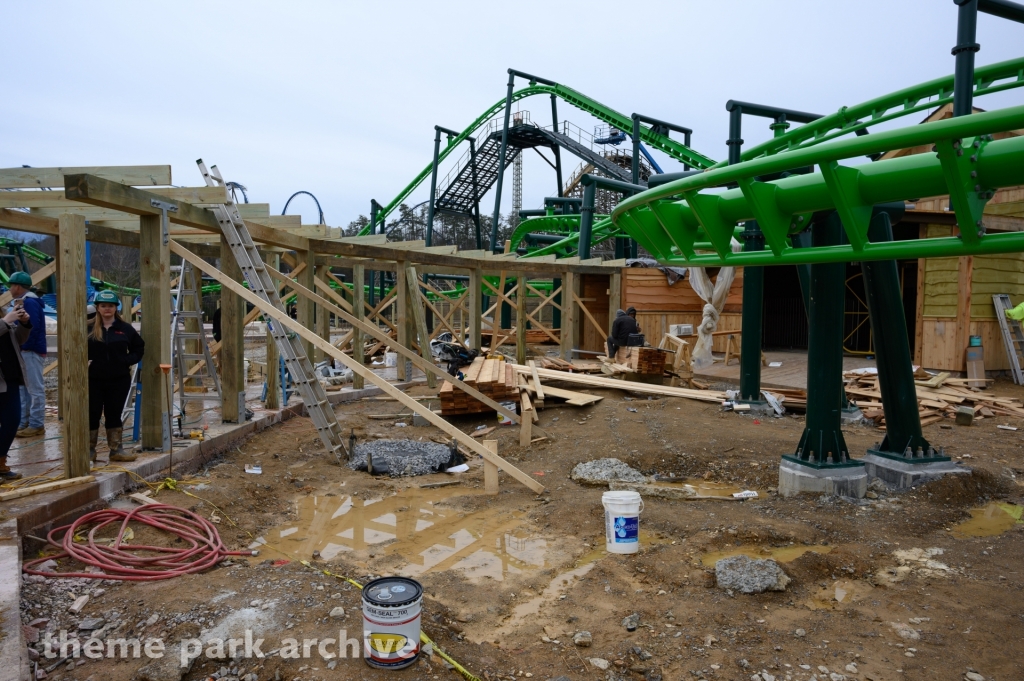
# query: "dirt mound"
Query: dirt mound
839,563
966,490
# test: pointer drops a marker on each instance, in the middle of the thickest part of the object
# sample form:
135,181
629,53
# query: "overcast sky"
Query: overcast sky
340,99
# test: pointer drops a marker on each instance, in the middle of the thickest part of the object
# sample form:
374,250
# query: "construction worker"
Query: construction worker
623,326
114,347
33,356
15,328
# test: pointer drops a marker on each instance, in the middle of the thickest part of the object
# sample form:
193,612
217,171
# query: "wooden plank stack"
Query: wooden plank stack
493,377
938,398
643,360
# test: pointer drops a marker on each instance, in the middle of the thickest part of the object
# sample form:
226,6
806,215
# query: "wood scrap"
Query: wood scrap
483,431
605,382
492,377
45,487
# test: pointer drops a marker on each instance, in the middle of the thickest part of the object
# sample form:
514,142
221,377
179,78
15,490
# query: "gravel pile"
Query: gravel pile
750,575
399,458
603,471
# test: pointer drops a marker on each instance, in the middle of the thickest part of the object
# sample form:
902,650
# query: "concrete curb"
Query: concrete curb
13,658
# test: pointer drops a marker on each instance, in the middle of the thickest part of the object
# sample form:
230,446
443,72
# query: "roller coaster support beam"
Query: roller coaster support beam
429,236
753,240
476,193
660,127
822,461
967,45
512,73
591,183
558,154
373,230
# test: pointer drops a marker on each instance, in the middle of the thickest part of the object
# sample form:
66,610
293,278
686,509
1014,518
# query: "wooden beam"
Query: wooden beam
490,470
965,273
46,487
420,322
323,319
35,178
596,381
232,347
155,276
286,321
47,199
358,348
25,222
525,426
476,277
521,320
74,353
402,318
273,379
427,367
99,192
536,382
570,312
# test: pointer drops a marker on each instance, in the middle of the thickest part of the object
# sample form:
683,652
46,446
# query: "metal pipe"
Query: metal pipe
766,111
558,155
429,236
966,46
495,247
1004,9
587,220
476,193
609,183
373,230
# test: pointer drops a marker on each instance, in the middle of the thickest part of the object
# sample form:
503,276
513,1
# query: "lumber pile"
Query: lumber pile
593,381
938,398
492,377
579,366
642,360
533,336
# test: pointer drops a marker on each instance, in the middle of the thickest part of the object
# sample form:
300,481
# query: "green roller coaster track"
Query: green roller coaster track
676,150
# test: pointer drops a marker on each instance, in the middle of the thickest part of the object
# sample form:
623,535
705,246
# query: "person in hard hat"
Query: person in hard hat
15,328
114,347
33,356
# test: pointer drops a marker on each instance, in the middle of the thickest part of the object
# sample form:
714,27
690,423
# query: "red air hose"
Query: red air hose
202,548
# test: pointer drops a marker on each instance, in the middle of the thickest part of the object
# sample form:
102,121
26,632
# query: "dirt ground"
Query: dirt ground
509,579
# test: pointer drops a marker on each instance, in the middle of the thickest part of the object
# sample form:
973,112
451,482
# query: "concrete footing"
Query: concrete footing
795,478
904,475
12,642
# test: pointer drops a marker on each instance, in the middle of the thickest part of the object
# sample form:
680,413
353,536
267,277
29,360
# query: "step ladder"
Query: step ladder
193,372
289,345
1013,336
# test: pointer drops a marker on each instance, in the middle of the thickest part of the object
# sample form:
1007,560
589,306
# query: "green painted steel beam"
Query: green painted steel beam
967,166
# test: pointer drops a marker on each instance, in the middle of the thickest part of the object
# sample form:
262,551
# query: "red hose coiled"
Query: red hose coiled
138,562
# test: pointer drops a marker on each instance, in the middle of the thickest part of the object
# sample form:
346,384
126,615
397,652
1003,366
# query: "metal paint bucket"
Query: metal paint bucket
391,622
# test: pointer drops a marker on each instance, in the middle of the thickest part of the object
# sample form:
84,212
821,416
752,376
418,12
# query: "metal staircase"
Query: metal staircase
288,344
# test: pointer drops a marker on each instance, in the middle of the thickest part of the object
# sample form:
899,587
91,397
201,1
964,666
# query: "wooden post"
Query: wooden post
60,335
155,258
126,307
521,318
526,419
570,314
402,317
323,321
304,307
420,321
358,295
232,345
614,295
74,354
476,278
490,470
273,400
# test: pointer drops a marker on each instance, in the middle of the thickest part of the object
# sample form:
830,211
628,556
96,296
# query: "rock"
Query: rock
836,677
974,676
153,619
750,576
31,634
743,664
905,631
332,664
91,624
78,605
599,663
799,633
852,668
560,678
603,471
583,639
166,668
644,655
338,613
631,622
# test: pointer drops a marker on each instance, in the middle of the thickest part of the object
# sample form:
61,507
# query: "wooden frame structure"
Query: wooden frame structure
109,205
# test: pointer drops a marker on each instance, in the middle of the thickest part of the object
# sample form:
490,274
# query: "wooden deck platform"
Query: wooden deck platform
792,373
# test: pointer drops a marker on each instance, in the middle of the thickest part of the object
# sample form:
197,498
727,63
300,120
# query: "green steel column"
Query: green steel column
476,192
587,219
822,444
373,230
429,237
903,439
495,246
556,311
558,154
506,309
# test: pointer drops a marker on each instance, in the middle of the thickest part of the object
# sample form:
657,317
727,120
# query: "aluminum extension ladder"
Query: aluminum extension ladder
191,370
289,345
1013,336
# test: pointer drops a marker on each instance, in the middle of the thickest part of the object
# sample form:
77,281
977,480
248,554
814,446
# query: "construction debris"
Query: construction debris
603,471
492,377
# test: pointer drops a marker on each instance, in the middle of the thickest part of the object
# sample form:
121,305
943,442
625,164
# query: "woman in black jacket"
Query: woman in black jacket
14,330
114,347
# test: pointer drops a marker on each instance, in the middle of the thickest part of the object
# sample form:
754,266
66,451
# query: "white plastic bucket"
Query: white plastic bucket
390,359
622,521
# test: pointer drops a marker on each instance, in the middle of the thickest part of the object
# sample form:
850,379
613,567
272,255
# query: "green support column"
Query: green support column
750,338
822,444
903,439
556,310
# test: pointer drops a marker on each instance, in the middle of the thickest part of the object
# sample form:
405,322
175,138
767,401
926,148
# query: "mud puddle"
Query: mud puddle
782,554
990,520
414,525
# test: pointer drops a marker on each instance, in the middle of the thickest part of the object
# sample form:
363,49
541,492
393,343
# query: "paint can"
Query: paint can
391,622
622,521
390,360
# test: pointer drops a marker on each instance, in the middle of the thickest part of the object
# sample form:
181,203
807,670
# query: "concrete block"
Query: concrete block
796,479
13,654
905,475
964,416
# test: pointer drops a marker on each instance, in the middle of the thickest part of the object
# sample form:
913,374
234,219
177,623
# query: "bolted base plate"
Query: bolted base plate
757,407
797,478
904,473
